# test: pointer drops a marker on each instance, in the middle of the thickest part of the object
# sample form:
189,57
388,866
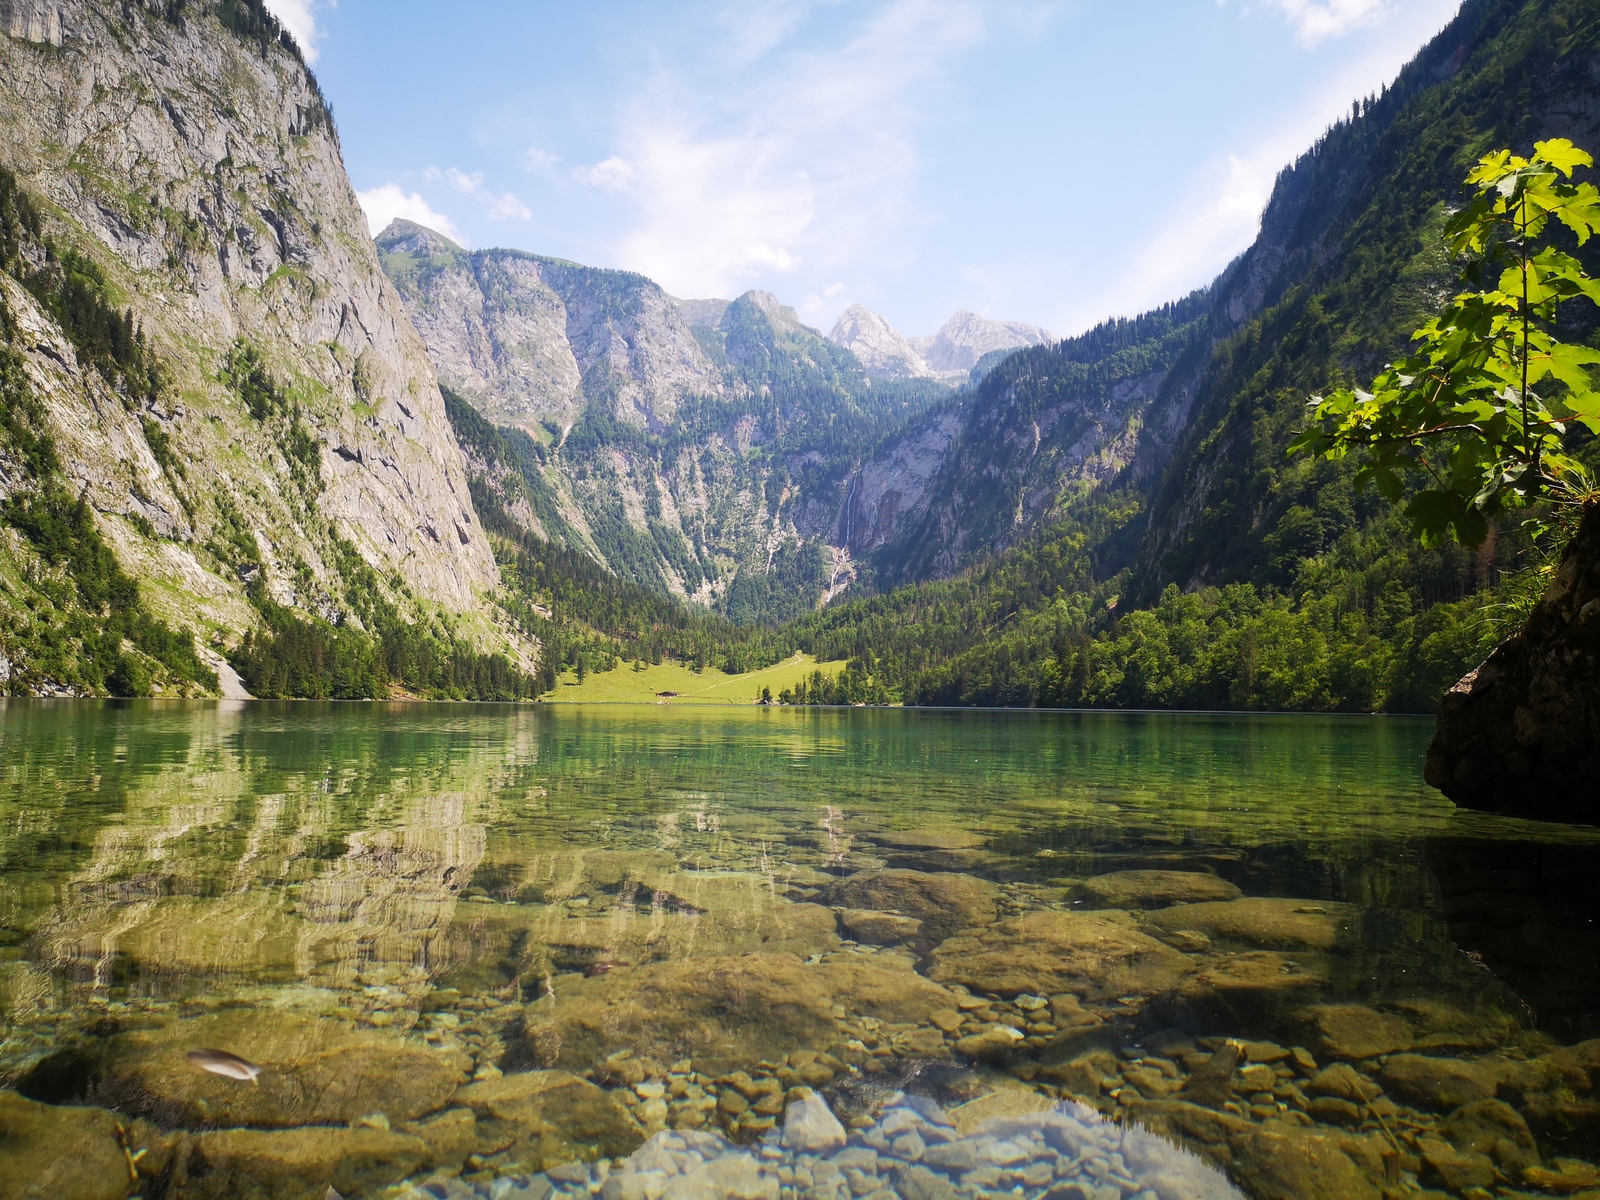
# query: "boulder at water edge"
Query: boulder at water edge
1521,733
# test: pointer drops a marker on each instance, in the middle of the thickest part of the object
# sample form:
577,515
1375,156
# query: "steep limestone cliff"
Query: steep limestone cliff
880,347
529,340
966,338
185,155
1521,733
699,447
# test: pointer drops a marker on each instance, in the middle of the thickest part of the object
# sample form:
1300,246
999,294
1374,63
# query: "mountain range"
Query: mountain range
246,446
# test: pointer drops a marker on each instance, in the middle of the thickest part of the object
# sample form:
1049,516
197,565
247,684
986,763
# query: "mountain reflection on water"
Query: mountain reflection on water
478,942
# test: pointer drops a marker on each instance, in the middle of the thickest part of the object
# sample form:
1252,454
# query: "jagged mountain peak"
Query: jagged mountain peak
967,337
883,351
401,236
774,310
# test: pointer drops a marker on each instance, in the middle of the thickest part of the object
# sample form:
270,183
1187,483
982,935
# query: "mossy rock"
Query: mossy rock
314,1071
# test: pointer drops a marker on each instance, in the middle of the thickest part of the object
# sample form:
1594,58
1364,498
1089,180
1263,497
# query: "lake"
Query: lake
476,944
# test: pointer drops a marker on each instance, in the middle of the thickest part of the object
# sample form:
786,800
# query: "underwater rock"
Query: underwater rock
1155,889
543,1118
298,1164
1354,1031
314,1071
1280,1162
992,1045
449,1136
1272,923
1437,1083
879,928
943,901
910,1149
1090,954
1494,1128
698,913
723,1013
51,1153
809,1127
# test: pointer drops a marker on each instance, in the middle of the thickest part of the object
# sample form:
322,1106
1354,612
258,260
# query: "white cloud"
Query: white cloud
802,154
509,207
384,203
300,19
613,174
1315,20
537,159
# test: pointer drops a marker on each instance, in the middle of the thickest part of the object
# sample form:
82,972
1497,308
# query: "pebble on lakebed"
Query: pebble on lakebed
911,1149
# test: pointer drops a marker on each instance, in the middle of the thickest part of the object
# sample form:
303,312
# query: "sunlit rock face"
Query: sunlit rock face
199,171
966,338
880,347
527,339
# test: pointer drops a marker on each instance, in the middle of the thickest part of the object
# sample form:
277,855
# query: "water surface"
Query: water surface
406,870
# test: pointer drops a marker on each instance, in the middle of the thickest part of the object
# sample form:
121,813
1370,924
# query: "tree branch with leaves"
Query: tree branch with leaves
1481,411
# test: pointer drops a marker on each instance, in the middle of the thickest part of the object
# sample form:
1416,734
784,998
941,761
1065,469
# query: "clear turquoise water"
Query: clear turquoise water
160,852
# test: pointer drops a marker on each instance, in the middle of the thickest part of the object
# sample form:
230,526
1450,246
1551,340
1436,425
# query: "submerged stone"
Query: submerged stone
1021,1144
50,1152
723,1013
1271,923
1155,889
1438,1083
291,1164
1089,954
943,901
314,1071
879,928
544,1118
1355,1031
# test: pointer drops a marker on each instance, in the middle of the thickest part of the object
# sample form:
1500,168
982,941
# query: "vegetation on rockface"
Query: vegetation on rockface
1378,188
378,653
78,620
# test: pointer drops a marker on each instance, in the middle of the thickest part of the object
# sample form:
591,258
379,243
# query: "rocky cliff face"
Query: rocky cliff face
680,442
195,167
879,346
529,340
966,338
1521,733
952,354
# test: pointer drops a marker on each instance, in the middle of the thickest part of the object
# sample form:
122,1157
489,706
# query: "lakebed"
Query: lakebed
523,951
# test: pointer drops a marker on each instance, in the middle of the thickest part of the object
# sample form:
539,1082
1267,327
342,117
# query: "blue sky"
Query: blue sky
1051,161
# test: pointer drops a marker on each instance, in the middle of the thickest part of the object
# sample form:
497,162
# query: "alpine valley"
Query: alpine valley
247,449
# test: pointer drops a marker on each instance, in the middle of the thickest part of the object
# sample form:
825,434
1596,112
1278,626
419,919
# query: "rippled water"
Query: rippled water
496,891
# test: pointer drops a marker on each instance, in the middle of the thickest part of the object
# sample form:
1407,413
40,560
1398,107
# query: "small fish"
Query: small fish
600,968
220,1062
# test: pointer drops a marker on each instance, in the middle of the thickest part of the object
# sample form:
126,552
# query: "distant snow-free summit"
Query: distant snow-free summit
961,344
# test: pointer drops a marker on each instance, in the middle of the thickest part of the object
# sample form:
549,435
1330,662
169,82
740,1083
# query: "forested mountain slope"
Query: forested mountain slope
1255,581
218,420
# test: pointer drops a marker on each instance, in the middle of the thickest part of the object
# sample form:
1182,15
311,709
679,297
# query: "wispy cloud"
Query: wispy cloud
502,206
804,152
613,174
384,203
1316,20
300,19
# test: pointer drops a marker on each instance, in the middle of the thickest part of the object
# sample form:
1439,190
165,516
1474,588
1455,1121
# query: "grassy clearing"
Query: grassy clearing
624,685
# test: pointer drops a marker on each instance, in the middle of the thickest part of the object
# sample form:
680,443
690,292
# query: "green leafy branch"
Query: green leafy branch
1482,410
